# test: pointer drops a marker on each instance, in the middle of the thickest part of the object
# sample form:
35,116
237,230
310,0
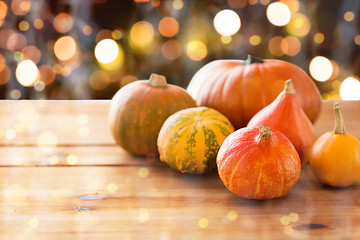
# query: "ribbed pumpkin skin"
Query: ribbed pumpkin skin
138,110
239,91
285,115
190,139
254,168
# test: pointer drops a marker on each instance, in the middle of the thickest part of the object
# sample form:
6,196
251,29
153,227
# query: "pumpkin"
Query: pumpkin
258,163
335,156
138,110
286,115
190,139
239,89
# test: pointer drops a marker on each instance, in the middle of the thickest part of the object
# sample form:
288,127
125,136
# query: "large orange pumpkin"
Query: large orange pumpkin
239,89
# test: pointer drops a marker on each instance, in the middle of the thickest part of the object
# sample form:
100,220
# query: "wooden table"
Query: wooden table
63,177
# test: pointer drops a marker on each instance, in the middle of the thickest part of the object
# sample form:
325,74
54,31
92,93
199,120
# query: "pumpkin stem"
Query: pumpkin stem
339,122
289,87
251,59
265,132
156,80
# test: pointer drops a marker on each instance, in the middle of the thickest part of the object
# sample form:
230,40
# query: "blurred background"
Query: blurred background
88,49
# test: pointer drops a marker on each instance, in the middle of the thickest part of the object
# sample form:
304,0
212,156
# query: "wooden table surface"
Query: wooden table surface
63,177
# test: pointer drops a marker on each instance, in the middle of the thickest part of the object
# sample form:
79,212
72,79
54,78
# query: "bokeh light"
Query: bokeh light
319,38
99,80
106,51
38,24
32,53
320,68
142,34
278,14
275,46
27,73
255,40
349,16
65,48
168,27
47,74
20,7
24,25
87,30
227,22
47,140
299,25
3,10
357,39
350,89
178,4
290,46
225,39
293,5
63,22
196,50
16,42
171,49
117,34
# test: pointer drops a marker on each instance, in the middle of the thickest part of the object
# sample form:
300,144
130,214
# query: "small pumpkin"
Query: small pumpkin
190,139
286,115
239,89
258,163
335,156
138,110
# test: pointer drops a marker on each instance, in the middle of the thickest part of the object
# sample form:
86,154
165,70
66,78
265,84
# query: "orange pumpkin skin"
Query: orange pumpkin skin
239,90
139,109
286,115
256,168
335,159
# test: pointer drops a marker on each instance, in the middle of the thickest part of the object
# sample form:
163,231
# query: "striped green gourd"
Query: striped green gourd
190,139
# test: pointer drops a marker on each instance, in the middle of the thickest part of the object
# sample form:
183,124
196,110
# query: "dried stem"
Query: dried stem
289,87
157,81
339,122
265,132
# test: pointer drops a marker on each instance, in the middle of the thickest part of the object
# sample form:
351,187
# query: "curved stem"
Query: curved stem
156,80
265,132
339,122
252,59
289,87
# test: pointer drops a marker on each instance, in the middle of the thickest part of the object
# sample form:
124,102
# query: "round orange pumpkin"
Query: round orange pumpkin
239,89
258,163
335,156
139,109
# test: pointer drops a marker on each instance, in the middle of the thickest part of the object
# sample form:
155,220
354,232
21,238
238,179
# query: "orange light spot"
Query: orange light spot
3,10
171,49
63,22
275,46
87,30
32,53
38,24
47,74
168,27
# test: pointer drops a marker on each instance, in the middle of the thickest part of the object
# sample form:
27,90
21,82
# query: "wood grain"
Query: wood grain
85,187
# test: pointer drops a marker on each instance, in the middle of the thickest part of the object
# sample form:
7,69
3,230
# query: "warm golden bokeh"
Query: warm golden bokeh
142,34
20,7
168,27
63,22
196,50
65,48
32,53
171,49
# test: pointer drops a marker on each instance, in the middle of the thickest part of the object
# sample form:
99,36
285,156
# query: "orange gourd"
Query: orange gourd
335,156
139,109
286,115
258,163
239,89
